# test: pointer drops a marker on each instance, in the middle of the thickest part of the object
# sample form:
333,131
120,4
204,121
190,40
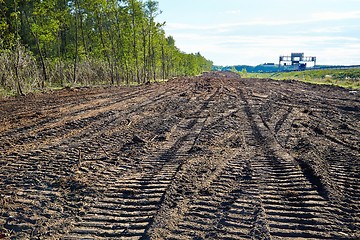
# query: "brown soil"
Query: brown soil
210,157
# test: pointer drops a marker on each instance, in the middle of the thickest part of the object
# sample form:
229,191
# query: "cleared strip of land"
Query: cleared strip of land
209,157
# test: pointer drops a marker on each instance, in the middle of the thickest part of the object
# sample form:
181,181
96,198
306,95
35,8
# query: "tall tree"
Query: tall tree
43,26
135,10
152,11
91,41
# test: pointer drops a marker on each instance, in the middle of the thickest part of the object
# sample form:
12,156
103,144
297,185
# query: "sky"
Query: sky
252,32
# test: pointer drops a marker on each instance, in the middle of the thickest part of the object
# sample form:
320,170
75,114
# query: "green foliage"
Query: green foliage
233,69
88,42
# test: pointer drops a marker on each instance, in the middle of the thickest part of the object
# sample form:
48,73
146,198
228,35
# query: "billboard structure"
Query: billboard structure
297,60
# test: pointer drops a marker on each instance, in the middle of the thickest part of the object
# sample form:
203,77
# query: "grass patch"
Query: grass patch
6,93
347,78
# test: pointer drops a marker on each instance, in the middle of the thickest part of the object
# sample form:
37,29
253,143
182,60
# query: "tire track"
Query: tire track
293,207
229,207
134,200
212,157
346,174
46,127
95,125
287,205
38,167
73,126
41,108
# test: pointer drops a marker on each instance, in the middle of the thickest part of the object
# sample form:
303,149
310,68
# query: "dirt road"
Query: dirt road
210,157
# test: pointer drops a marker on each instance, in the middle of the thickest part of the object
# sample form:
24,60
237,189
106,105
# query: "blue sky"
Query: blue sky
231,32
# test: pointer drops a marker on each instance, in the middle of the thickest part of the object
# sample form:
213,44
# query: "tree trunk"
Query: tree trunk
163,61
17,62
42,60
145,68
82,33
76,41
153,63
104,49
134,42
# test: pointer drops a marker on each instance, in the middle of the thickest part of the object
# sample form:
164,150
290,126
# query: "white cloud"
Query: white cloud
324,16
324,30
258,49
239,35
224,27
233,12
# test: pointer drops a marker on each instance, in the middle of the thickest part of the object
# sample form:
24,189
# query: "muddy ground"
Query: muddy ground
210,157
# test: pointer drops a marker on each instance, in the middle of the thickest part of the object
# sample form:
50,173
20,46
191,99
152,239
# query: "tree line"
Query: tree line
87,42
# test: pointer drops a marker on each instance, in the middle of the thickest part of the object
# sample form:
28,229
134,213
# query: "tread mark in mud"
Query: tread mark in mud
292,205
133,202
196,151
